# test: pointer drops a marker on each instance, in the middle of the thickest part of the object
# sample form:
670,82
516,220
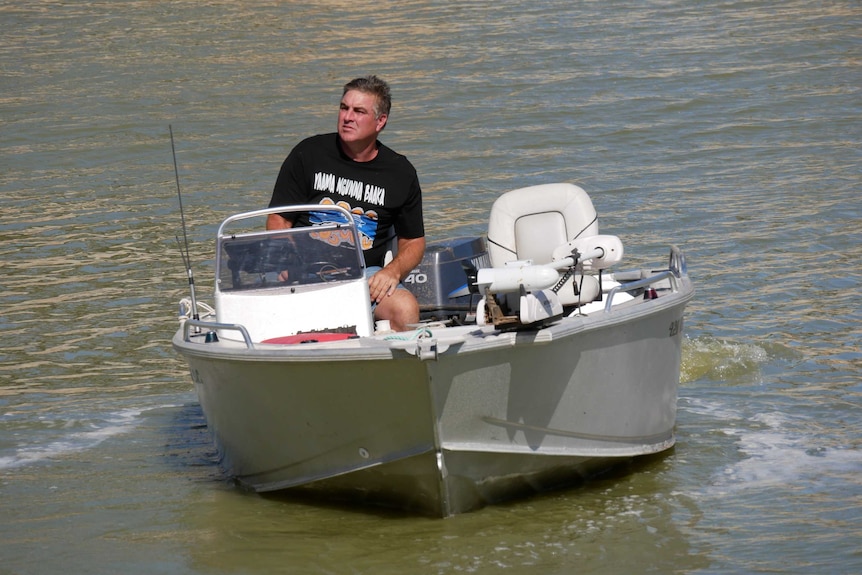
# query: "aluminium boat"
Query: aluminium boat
535,363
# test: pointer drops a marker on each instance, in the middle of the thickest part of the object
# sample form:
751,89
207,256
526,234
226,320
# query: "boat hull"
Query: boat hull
469,416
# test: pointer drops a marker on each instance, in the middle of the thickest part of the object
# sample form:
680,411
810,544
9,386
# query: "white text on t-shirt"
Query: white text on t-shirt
355,189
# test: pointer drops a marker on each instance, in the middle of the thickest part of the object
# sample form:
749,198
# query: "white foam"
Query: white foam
116,423
774,455
721,360
705,408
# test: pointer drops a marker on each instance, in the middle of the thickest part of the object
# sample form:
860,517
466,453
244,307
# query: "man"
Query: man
353,169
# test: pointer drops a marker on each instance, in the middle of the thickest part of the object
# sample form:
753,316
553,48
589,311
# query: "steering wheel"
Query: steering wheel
327,271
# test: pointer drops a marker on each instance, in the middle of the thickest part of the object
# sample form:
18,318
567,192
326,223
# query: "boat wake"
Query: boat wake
725,360
775,450
777,456
112,425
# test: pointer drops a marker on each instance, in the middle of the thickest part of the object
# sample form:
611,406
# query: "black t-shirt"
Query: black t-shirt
383,195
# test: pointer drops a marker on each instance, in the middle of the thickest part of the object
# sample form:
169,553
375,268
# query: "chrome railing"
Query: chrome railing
211,327
676,269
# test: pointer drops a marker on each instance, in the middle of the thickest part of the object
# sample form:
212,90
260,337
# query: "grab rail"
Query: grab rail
676,269
676,262
210,326
639,284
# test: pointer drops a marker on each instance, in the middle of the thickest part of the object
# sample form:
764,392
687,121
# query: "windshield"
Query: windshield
294,257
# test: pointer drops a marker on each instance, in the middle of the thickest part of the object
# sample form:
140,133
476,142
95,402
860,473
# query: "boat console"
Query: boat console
278,283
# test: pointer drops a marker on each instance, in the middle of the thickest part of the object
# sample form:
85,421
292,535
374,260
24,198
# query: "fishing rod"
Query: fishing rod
185,254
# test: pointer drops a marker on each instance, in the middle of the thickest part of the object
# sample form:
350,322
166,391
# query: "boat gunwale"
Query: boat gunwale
467,339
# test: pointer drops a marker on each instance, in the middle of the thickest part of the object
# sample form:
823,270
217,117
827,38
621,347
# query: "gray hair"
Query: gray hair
375,86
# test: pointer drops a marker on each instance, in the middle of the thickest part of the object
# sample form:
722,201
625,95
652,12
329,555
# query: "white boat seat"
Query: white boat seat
529,223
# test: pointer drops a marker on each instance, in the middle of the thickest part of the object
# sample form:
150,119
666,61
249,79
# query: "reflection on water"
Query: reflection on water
577,530
730,129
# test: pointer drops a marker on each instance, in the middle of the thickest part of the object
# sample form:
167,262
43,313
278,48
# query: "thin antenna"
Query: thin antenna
185,254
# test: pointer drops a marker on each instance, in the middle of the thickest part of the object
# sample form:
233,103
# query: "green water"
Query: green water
731,129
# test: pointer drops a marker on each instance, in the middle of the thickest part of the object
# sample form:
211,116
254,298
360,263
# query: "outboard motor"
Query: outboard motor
441,281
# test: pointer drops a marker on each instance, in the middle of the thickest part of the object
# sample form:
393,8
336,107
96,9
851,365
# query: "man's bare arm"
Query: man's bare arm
410,252
277,222
384,282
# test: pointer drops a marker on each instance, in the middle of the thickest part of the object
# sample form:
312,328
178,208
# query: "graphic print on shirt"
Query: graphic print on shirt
366,224
368,193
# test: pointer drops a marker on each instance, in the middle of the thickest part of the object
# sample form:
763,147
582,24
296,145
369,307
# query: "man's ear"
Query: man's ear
381,122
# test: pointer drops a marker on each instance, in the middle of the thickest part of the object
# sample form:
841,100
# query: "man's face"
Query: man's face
356,119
